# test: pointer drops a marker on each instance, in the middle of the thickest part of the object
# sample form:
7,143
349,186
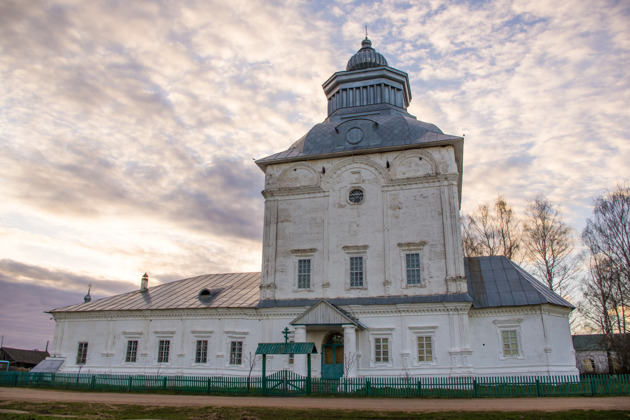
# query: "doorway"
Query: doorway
332,356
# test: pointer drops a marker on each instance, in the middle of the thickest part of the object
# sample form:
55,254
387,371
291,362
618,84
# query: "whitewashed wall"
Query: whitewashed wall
410,200
462,345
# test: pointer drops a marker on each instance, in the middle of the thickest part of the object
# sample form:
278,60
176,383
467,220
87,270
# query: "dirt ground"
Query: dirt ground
371,404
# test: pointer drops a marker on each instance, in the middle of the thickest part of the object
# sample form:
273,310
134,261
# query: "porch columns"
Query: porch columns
299,360
350,351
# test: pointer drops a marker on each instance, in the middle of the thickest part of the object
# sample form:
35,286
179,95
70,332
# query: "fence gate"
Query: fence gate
285,383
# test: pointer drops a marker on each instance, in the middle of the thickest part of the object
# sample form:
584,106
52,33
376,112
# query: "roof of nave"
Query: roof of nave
233,290
492,282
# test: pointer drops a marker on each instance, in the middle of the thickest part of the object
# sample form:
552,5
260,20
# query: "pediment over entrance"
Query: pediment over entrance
325,313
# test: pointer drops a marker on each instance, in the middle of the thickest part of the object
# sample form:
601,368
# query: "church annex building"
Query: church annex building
362,256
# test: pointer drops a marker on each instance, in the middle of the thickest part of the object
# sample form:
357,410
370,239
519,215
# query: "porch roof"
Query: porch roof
286,348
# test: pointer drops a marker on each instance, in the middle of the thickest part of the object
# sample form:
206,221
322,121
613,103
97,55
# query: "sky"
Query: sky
128,129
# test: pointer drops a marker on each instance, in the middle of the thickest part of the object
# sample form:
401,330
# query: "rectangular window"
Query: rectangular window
356,271
132,351
510,343
164,348
413,268
236,352
82,353
304,274
381,350
201,352
425,349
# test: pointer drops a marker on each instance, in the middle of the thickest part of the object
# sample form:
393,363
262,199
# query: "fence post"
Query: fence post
93,384
474,388
593,390
538,387
164,383
419,388
264,374
308,384
368,387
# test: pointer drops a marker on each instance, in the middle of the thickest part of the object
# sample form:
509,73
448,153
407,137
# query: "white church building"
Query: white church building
362,256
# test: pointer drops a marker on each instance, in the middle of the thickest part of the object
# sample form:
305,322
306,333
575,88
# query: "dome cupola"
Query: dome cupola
366,58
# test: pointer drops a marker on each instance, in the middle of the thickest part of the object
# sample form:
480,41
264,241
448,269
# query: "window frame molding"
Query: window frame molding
351,189
126,355
163,336
355,251
200,335
302,254
235,336
405,248
424,331
384,332
513,324
131,336
83,352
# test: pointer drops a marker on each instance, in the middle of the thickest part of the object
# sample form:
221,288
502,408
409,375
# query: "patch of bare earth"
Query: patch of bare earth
370,404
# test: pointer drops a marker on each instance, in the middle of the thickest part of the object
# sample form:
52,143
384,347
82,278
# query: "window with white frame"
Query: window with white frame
236,352
412,257
303,268
82,353
412,265
356,277
304,273
164,348
356,272
381,349
425,348
423,344
132,351
201,351
509,340
509,334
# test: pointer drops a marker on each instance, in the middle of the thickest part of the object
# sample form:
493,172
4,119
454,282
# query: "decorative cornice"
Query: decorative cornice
288,191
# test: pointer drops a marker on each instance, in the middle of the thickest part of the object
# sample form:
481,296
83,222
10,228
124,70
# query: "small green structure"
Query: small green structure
286,348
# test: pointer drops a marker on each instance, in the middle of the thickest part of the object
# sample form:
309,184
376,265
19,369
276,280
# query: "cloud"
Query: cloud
127,129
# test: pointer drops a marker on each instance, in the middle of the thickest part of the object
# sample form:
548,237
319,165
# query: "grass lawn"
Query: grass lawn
38,411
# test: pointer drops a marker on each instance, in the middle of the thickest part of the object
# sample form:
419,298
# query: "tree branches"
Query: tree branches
549,244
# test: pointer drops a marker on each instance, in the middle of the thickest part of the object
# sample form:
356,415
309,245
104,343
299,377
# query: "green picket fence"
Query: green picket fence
287,383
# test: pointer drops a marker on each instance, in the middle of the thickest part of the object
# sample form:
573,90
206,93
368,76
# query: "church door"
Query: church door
332,357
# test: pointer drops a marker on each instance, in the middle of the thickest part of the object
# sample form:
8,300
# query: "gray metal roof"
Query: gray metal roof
589,342
233,290
492,282
380,131
366,57
496,281
48,366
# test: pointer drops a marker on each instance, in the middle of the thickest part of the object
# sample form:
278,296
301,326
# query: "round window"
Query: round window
356,196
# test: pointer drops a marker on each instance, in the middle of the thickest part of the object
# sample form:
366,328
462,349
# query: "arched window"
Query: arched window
589,365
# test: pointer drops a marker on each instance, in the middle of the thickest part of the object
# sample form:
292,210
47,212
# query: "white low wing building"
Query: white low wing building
362,255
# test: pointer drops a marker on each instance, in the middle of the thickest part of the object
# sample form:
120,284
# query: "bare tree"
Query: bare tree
549,244
607,237
608,232
601,302
250,359
349,363
492,230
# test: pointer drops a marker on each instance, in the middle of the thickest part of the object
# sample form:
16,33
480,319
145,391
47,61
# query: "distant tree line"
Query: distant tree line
591,270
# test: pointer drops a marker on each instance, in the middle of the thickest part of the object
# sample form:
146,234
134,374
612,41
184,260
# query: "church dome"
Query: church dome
366,58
